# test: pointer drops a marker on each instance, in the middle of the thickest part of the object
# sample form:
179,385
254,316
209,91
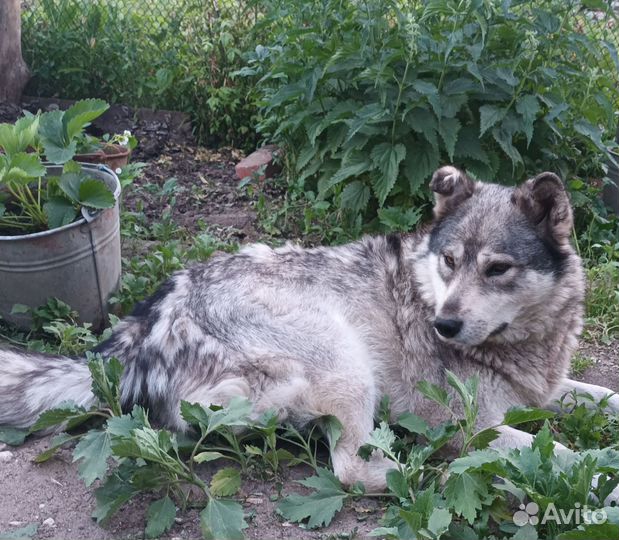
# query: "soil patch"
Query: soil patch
33,493
203,188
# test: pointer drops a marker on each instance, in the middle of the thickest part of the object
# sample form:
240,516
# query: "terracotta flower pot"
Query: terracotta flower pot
113,156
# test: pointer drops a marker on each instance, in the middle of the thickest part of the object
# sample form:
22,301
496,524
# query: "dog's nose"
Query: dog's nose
447,328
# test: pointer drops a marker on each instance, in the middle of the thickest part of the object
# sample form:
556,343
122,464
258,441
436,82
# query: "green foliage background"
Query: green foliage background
371,97
177,54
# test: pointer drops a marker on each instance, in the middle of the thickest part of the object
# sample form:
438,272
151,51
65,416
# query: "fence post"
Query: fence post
610,192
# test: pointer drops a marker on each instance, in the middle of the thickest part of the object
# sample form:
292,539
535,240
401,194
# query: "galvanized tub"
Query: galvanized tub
78,263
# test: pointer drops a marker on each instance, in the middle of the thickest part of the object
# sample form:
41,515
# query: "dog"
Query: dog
491,288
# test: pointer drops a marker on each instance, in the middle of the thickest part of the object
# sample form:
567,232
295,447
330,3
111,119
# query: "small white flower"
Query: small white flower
118,170
126,133
123,140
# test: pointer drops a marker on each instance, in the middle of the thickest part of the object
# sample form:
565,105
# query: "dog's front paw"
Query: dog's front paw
372,473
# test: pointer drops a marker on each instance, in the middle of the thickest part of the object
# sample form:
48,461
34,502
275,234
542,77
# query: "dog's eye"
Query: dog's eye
497,269
449,261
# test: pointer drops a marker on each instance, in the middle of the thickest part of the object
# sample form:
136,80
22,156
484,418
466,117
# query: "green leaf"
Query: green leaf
396,218
24,168
469,145
397,483
122,426
424,87
94,450
105,376
526,532
57,148
387,158
355,196
474,460
305,156
79,115
602,531
413,423
71,167
439,521
503,136
483,438
204,457
320,506
451,105
368,114
489,115
528,107
424,122
226,482
59,212
194,414
520,415
160,517
591,132
601,5
222,520
235,414
18,137
385,532
449,129
332,428
422,159
69,183
8,140
355,164
434,392
382,438
115,492
13,436
96,194
325,480
57,442
465,493
23,533
467,390
459,86
62,413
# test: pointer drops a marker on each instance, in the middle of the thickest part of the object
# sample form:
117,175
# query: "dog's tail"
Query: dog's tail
31,383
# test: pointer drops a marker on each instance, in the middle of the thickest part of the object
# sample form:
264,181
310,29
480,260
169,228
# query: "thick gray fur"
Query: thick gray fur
329,330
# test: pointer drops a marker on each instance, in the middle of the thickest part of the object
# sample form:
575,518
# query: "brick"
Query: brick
263,157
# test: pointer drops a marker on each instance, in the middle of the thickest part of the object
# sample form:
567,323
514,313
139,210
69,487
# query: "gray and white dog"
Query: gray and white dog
491,288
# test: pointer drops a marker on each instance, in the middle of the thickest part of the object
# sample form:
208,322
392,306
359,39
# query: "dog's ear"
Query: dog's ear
544,201
451,186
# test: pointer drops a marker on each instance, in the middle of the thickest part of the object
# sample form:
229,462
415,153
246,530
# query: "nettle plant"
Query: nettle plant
31,200
369,98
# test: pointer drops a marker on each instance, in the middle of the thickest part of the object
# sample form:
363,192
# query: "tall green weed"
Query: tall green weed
370,97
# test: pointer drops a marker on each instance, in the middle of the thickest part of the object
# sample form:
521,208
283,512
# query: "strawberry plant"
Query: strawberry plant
32,201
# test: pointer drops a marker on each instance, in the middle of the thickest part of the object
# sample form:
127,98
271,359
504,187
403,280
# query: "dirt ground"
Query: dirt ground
31,493
53,496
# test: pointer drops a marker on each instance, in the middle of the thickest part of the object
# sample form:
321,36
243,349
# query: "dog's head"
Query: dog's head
496,256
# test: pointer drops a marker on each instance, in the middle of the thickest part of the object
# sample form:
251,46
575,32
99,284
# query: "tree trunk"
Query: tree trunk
14,73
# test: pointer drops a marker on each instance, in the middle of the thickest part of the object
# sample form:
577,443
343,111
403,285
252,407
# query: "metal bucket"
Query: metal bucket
78,263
